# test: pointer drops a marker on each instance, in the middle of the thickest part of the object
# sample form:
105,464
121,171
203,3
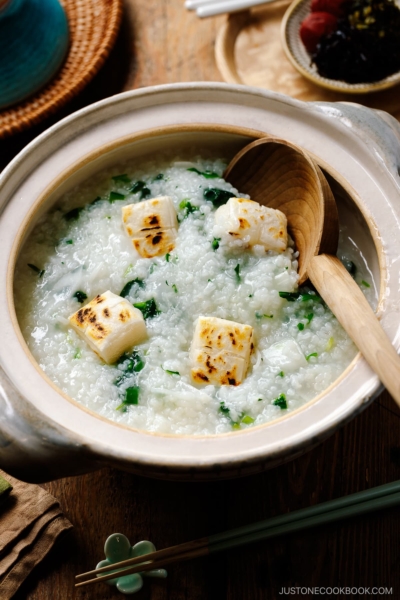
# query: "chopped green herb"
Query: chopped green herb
145,193
96,201
247,420
80,296
350,267
78,353
251,295
152,267
40,272
215,244
137,187
260,399
170,372
148,308
73,214
310,317
209,280
126,290
131,397
365,283
280,401
166,282
237,271
115,196
135,363
311,355
307,296
131,363
330,344
262,316
292,296
224,409
187,207
122,178
281,374
174,288
206,174
167,257
217,197
69,241
158,177
289,296
300,326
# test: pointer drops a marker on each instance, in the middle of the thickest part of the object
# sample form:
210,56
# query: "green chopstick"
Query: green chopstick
376,498
291,526
340,506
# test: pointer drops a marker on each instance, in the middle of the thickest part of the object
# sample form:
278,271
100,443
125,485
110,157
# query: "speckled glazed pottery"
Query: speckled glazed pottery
43,433
33,44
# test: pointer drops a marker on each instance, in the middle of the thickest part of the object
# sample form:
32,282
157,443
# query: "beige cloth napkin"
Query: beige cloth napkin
31,521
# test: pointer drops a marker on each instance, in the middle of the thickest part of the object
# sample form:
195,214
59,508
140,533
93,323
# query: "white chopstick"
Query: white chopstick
210,8
193,4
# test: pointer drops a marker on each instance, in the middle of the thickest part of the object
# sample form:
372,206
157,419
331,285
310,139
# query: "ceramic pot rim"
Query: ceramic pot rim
189,455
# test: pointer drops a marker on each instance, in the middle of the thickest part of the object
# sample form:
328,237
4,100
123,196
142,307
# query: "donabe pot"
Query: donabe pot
43,433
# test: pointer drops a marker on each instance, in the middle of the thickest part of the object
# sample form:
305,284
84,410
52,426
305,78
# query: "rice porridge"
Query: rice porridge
80,250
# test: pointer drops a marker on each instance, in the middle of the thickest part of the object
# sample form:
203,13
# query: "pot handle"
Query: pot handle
32,449
377,129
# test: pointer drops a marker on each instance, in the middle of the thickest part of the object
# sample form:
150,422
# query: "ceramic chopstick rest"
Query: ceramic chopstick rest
117,548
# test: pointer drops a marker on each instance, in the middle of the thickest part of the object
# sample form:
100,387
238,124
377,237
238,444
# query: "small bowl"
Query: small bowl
301,60
44,434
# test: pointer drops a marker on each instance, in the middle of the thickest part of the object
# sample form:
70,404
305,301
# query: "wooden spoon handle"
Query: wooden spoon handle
349,305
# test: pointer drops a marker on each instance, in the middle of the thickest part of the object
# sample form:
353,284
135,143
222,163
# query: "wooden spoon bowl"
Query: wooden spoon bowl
280,175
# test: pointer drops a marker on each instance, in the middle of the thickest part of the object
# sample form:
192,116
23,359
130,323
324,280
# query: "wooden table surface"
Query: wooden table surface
160,43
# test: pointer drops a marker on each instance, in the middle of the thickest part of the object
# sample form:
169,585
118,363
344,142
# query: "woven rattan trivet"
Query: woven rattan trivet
93,26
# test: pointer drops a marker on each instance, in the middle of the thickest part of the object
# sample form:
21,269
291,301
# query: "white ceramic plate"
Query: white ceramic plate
301,60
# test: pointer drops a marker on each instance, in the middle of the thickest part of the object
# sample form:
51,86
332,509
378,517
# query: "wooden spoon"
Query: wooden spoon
278,174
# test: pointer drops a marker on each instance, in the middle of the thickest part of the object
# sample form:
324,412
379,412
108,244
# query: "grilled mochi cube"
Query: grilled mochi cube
252,224
220,351
151,225
110,325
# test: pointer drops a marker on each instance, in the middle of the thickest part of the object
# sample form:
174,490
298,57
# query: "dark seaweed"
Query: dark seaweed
366,45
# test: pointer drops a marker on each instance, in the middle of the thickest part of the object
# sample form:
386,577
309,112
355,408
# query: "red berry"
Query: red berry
314,26
333,7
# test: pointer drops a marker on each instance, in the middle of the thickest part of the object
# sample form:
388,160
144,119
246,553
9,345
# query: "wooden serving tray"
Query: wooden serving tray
249,51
